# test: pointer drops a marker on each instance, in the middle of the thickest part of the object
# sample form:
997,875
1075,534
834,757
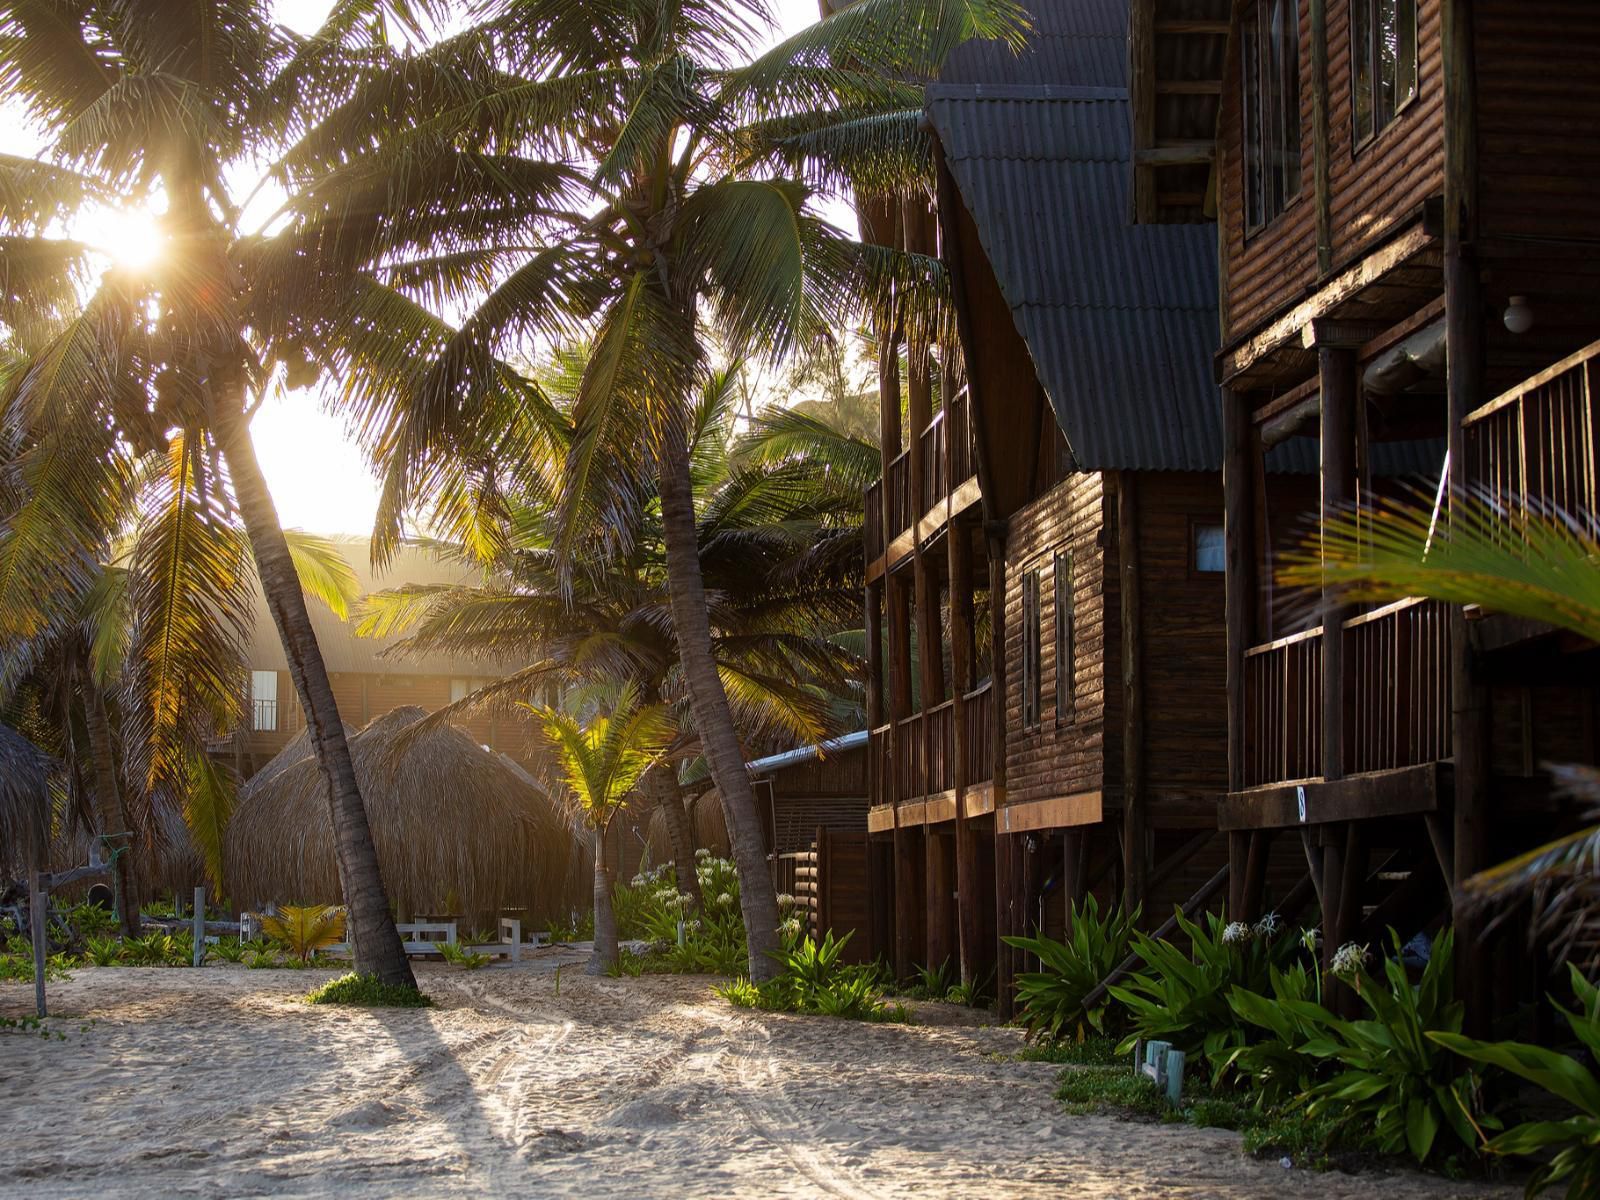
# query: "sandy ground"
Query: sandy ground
219,1083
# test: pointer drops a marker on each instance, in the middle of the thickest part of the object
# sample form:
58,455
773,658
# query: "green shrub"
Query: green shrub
976,994
932,983
1181,996
1276,1063
1567,1150
1096,1050
16,962
459,956
650,906
103,951
258,960
1051,998
230,951
813,979
1394,1081
1083,1090
580,928
368,991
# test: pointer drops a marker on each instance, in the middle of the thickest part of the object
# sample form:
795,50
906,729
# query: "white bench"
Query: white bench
425,937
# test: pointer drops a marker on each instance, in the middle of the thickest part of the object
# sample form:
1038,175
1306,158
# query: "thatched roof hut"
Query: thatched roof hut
458,828
24,802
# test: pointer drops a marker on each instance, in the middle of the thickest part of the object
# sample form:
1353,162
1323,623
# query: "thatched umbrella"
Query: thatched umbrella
24,802
456,826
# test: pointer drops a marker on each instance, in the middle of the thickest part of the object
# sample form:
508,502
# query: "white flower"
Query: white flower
692,926
702,854
1268,926
680,901
1349,959
790,928
1311,938
1236,932
785,901
640,880
724,900
663,895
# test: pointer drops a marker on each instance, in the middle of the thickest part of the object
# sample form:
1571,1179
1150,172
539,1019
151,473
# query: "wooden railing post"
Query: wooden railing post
1337,371
1238,518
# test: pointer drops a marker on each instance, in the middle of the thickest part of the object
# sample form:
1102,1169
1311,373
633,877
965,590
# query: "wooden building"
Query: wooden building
1045,550
1403,193
367,680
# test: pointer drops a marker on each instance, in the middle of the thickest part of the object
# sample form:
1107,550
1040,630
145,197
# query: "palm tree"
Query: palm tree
602,761
142,101
780,546
674,214
1544,566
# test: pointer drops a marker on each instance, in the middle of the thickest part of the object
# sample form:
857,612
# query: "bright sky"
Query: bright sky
317,475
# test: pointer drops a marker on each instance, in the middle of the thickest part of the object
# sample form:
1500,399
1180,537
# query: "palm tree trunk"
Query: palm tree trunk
375,941
712,717
605,955
109,812
661,783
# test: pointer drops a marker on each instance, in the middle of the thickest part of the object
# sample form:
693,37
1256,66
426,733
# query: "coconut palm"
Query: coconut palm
141,101
602,761
688,172
1543,565
780,546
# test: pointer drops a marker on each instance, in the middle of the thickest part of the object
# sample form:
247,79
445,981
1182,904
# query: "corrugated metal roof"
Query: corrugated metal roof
1072,41
1120,318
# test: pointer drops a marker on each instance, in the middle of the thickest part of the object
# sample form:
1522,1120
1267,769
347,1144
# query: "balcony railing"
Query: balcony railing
1397,684
1534,448
1396,696
931,450
899,477
980,734
1283,709
958,431
873,521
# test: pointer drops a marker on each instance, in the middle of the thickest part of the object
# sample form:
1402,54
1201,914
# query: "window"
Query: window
1270,49
1032,636
264,701
1210,550
459,689
1383,67
1066,660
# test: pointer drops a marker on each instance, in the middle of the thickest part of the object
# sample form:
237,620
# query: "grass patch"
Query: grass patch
1084,1090
368,991
1096,1050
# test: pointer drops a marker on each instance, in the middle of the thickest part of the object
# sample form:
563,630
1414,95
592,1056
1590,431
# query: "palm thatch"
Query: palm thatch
24,802
705,818
457,827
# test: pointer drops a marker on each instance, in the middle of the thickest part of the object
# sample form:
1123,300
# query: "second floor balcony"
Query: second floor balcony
944,461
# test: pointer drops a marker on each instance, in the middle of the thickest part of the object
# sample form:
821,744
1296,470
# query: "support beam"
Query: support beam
1135,834
1238,520
1337,371
874,638
939,885
969,910
1142,95
910,938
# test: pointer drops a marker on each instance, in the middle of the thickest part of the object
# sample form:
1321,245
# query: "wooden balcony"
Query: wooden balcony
1533,449
947,464
920,760
1396,696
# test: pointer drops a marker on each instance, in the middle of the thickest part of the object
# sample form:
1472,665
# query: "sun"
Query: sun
130,237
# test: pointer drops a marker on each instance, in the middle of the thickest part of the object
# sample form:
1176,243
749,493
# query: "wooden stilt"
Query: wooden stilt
1135,821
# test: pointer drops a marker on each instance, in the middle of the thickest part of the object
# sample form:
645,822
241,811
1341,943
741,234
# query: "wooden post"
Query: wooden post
1135,833
874,636
968,908
1238,855
1463,300
1255,875
940,887
900,706
909,900
198,950
39,900
1142,91
1337,369
1238,516
1073,875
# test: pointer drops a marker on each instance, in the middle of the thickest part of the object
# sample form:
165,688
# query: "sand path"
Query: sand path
217,1083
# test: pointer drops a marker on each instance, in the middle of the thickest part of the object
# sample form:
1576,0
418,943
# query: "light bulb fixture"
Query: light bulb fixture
1519,315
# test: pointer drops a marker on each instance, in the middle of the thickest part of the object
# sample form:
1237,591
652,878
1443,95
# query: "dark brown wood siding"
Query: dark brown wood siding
1065,756
1184,641
1372,191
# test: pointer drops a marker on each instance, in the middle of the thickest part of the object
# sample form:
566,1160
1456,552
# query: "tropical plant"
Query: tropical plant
1181,996
140,395
230,951
652,193
1275,1062
1394,1083
602,761
932,983
103,951
974,993
305,929
459,956
367,991
813,978
1566,1150
1052,998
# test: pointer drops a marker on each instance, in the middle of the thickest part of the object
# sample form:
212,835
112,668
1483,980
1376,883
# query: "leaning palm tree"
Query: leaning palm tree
141,101
1543,565
688,172
602,761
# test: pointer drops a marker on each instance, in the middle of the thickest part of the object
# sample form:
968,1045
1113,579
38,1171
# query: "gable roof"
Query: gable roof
1120,320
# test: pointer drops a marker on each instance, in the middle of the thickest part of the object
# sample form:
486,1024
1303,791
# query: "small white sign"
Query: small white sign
1300,798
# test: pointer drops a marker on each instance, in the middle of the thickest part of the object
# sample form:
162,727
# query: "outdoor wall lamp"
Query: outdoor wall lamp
1519,315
